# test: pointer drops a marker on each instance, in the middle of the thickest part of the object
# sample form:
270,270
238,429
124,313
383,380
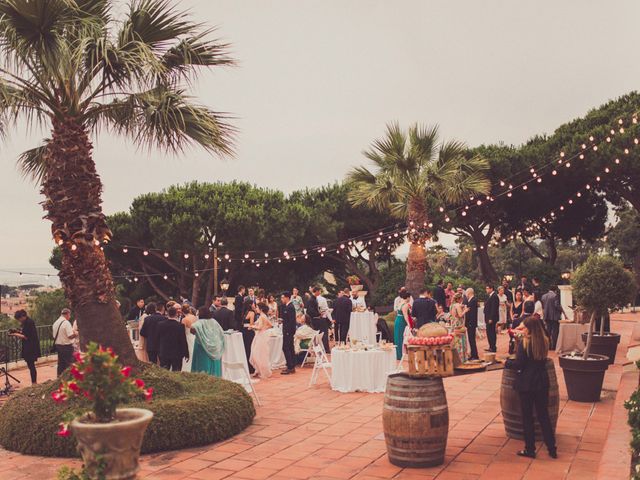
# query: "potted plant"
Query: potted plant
354,283
604,342
109,438
600,284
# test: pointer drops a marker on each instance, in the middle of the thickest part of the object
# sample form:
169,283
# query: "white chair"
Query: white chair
309,349
322,361
240,367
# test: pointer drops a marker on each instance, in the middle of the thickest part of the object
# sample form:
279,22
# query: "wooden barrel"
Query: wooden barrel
510,403
415,418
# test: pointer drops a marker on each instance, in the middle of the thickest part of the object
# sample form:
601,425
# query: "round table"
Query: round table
363,327
275,347
234,353
363,371
570,337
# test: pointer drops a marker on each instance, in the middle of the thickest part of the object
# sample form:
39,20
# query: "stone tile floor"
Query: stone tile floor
301,433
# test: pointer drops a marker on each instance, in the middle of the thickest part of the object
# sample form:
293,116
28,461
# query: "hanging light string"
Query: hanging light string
551,168
534,228
383,235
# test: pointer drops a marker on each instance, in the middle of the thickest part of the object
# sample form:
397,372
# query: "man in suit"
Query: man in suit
491,317
173,346
237,308
149,330
288,331
439,295
471,322
552,314
342,314
223,315
424,308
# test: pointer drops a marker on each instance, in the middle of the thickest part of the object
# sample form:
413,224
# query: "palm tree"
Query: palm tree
414,176
72,66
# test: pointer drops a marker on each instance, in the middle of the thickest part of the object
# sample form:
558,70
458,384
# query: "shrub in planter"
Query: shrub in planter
109,438
599,284
202,408
633,419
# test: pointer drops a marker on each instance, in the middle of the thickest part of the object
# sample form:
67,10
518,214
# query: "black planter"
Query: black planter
584,378
606,344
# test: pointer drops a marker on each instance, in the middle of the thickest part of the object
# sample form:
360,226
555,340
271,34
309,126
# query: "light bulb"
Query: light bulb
74,247
186,255
166,254
125,250
165,277
246,255
145,253
206,256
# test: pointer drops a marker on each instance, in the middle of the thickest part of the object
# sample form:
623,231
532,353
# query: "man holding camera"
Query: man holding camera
63,336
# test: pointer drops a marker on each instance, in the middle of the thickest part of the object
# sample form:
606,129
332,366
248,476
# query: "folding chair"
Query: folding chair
241,367
309,349
321,360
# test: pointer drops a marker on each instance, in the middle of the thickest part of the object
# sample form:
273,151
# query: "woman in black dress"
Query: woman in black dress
28,334
517,308
249,316
532,384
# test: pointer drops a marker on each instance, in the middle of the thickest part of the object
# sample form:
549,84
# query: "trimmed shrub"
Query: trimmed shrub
190,409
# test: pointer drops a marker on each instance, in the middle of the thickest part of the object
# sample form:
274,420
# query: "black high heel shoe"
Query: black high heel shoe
553,453
526,453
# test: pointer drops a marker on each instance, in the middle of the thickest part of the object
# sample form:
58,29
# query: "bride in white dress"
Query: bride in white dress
260,352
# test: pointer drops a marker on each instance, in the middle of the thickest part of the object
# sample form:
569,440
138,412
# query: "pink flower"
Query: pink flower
139,383
111,352
64,430
148,394
125,371
77,356
77,374
58,396
73,386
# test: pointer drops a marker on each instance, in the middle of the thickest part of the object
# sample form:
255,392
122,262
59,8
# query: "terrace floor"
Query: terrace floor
316,433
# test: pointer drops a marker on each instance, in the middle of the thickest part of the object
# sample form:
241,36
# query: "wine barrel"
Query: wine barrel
510,403
415,418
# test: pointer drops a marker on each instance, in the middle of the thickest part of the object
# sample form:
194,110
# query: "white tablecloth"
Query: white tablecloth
275,346
234,353
363,327
570,337
361,371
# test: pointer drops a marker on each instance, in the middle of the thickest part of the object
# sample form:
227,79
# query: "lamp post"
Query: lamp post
566,276
508,277
213,247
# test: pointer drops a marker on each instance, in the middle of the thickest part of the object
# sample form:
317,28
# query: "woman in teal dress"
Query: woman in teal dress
208,345
402,320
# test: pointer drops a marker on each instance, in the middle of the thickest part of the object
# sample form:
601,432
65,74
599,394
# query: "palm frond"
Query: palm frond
155,23
32,162
167,119
424,143
178,61
31,28
360,175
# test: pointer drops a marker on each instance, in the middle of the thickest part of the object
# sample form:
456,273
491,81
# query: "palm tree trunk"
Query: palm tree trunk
416,268
73,203
417,258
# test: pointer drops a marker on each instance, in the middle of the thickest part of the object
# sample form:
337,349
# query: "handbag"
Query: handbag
53,348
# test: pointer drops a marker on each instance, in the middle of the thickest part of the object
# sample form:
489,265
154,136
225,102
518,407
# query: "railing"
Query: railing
10,347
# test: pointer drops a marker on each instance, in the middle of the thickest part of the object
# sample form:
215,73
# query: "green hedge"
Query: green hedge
190,409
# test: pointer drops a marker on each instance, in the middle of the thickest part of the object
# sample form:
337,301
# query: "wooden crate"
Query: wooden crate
430,360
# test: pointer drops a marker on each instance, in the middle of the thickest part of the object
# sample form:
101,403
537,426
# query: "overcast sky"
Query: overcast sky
317,81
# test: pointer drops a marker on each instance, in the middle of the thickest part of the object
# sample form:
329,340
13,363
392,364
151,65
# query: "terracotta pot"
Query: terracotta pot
116,444
584,378
606,344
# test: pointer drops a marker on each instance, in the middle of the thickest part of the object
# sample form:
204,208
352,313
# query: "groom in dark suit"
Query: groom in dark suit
288,330
424,309
342,308
491,316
